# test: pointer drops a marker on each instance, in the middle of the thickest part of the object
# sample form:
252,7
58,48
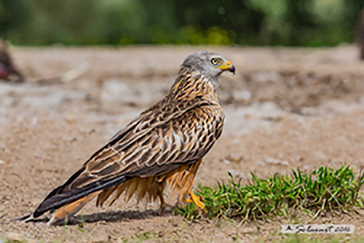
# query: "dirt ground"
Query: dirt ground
285,108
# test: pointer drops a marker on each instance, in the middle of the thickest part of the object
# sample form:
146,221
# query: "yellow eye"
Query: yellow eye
215,61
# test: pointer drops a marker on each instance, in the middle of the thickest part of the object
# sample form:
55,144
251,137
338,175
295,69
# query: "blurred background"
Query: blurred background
228,22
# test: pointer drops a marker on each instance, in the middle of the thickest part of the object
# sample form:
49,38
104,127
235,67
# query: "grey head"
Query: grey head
209,64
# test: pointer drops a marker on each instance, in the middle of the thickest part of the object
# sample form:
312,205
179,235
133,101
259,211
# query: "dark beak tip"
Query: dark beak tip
232,69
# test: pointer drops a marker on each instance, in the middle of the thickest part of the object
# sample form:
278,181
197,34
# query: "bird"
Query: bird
8,71
360,34
7,67
163,147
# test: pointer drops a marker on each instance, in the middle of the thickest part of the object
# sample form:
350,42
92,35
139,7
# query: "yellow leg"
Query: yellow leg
199,202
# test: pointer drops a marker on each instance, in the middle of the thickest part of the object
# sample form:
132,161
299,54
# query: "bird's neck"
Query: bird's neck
191,84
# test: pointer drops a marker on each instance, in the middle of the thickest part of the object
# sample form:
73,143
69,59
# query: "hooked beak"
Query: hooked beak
228,66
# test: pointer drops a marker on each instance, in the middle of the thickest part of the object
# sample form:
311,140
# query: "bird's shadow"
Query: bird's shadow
112,217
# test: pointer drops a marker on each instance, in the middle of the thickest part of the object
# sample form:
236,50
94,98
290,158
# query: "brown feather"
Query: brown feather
104,195
70,209
180,179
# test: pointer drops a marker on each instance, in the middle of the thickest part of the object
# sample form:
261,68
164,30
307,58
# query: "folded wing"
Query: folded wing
160,140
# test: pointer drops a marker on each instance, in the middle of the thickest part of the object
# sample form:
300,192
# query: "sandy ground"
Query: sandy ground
285,108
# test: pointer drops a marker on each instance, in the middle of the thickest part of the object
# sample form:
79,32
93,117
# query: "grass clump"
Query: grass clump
323,190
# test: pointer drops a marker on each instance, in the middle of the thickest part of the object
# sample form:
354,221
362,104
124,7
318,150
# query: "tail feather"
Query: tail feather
25,218
67,197
70,209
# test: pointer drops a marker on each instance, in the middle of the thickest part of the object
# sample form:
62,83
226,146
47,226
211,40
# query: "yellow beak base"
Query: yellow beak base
227,66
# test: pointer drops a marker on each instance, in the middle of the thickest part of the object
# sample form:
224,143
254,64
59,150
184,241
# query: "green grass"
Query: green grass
323,190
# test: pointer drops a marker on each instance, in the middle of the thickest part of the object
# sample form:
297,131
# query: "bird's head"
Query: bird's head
209,64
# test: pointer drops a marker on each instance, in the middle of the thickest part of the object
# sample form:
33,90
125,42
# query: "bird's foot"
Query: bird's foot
164,208
199,203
